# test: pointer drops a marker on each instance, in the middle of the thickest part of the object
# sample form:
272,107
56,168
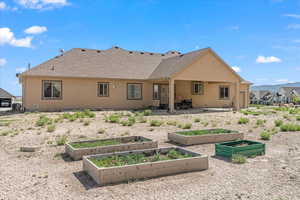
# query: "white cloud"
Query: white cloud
42,4
36,29
2,62
7,37
234,28
236,68
293,26
2,5
283,80
296,16
20,69
267,59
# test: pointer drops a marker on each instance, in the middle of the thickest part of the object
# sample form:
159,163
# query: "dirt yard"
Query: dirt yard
49,174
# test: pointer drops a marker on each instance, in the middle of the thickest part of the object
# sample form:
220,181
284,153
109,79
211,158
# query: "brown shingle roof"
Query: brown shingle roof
111,63
116,63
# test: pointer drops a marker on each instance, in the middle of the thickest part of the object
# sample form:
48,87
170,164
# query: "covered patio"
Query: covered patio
175,95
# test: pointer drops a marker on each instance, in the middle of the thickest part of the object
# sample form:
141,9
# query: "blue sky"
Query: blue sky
259,38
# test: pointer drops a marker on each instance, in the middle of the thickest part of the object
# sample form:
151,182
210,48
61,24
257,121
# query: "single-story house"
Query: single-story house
120,79
288,93
5,98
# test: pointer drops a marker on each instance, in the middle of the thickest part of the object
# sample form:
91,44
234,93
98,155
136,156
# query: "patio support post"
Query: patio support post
237,96
171,95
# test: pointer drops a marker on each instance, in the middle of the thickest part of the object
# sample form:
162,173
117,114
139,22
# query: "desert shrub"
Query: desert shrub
172,123
238,159
265,135
205,124
86,123
141,119
5,133
278,123
51,128
113,118
294,111
129,122
101,131
147,112
290,127
243,120
196,120
89,113
156,123
61,140
187,126
43,120
260,122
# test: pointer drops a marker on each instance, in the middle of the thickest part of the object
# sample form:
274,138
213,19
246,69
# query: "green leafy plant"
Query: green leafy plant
238,159
243,120
265,135
278,123
61,140
207,131
113,118
156,123
51,128
260,122
147,112
172,123
197,120
187,126
290,127
43,120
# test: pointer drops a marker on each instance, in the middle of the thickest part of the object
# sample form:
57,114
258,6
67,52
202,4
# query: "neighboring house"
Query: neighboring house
119,79
5,98
288,93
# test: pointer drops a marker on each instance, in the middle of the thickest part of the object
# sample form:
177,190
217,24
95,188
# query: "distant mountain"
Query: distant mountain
274,88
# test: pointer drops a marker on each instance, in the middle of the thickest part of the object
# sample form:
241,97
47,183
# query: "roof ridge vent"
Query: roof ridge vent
116,47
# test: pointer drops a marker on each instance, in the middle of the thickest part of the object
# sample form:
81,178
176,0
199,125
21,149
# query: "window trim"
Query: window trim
98,89
52,98
193,87
224,86
141,84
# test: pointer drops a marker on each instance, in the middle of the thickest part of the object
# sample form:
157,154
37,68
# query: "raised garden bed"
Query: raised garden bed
204,136
139,164
242,147
78,149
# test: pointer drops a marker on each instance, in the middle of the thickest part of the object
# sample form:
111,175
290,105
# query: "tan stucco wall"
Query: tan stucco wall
208,68
82,93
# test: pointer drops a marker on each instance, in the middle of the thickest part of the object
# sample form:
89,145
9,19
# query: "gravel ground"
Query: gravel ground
49,174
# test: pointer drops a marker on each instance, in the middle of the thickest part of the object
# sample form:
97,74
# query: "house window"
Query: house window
156,92
103,89
134,91
52,89
197,88
224,92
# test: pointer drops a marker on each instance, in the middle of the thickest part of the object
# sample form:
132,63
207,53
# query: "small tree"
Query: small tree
295,99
